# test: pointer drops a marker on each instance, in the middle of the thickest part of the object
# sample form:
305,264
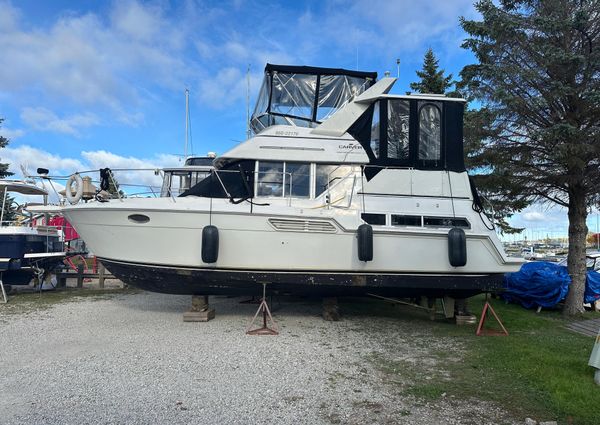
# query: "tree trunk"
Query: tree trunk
577,240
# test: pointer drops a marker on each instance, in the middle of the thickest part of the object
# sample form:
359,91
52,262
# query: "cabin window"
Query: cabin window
283,179
270,179
328,175
177,182
375,130
446,222
374,219
297,180
406,220
397,129
430,135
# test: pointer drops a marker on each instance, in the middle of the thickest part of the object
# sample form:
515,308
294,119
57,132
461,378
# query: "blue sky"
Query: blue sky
90,84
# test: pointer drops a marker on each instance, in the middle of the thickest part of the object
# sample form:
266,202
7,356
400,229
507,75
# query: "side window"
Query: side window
429,132
374,219
328,175
406,220
397,129
375,127
270,179
297,180
446,222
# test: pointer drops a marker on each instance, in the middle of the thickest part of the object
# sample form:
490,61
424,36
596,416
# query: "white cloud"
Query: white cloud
534,216
87,60
32,158
45,120
127,175
11,134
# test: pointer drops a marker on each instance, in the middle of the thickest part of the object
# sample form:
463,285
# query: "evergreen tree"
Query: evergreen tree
538,81
8,210
432,78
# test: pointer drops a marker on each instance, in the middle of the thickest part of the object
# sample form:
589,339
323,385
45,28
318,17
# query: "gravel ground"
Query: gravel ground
130,359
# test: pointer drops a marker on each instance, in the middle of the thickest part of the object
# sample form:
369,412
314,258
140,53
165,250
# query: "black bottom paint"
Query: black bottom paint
190,281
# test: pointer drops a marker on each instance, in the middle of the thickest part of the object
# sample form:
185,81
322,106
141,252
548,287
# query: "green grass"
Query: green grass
30,302
540,370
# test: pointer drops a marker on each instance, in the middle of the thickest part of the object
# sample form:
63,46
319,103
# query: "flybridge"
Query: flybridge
421,131
305,96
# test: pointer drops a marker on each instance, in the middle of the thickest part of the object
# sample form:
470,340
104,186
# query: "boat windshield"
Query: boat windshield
305,96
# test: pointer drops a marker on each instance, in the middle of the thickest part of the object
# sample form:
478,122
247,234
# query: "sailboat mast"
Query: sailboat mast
248,102
187,122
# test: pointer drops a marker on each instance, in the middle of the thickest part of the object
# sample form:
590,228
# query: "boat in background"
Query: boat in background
344,189
26,251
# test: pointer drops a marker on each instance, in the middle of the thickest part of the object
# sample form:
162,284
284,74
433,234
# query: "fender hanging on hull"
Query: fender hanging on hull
212,281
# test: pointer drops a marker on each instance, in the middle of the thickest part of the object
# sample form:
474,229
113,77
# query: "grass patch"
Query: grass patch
28,302
540,370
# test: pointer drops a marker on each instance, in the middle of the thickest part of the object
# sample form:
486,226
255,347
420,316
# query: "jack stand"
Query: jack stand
492,332
264,308
5,298
200,311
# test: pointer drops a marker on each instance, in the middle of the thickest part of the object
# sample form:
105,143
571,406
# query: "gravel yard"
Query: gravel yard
130,359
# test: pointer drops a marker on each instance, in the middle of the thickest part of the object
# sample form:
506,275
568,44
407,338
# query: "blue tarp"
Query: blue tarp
545,284
538,283
592,287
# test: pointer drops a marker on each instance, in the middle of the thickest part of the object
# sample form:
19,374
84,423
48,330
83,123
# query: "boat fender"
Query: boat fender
457,247
365,242
210,244
73,198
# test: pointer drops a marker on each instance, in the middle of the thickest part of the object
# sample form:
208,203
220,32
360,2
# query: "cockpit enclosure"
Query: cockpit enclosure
424,132
305,96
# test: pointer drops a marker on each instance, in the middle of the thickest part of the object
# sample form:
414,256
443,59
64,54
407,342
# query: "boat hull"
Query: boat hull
214,281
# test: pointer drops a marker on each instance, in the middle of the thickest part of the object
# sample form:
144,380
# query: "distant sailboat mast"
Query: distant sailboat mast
187,123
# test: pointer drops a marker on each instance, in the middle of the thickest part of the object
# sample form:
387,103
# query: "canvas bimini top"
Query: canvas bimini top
304,95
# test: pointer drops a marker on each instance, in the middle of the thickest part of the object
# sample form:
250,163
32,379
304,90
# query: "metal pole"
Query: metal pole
597,230
248,102
3,205
187,121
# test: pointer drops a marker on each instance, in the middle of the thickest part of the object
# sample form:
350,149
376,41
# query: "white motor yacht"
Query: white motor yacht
343,189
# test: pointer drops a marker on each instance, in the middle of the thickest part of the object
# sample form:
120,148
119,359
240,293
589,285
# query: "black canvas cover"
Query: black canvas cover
234,182
304,95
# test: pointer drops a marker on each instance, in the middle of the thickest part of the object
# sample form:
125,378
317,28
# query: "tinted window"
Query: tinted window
270,179
429,132
199,161
375,219
446,222
397,129
329,175
375,127
406,220
297,179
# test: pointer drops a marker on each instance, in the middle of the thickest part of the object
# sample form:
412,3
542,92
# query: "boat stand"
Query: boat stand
264,309
331,310
200,311
4,296
492,332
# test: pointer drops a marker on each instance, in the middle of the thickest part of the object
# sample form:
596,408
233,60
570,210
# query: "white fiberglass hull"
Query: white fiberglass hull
301,247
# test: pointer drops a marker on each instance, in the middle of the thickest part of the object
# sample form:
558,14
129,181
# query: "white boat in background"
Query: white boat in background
343,190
